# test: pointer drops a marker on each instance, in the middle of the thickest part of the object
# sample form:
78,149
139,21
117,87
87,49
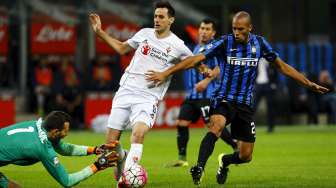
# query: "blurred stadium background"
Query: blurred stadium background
49,52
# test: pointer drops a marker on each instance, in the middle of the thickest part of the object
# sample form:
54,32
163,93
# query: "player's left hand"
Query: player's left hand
107,159
156,77
317,88
106,147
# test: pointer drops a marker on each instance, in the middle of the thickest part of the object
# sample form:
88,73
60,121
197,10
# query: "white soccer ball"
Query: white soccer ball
135,176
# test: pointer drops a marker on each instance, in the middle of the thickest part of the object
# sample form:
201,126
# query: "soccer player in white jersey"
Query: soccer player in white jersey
136,100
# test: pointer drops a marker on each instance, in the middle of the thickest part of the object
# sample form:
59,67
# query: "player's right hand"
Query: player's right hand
156,77
95,22
107,159
106,147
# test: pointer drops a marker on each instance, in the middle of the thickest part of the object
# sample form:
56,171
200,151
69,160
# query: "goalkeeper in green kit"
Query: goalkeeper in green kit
30,142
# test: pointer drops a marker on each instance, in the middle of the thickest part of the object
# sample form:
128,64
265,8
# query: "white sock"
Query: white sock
134,153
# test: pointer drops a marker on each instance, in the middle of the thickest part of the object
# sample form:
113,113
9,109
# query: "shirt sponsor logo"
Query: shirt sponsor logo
146,49
253,62
56,161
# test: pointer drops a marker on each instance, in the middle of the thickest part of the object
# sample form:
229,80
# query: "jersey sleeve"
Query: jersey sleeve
215,48
57,171
68,149
185,52
136,39
267,51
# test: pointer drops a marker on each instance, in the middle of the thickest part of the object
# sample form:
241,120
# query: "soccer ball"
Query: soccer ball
135,176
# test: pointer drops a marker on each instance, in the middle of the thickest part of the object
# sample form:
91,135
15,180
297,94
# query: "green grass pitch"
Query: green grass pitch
300,156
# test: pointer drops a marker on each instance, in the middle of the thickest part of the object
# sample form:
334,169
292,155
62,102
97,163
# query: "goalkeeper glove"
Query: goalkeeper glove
107,159
105,147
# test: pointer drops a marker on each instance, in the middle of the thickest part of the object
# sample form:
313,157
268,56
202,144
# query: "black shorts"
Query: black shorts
241,118
191,110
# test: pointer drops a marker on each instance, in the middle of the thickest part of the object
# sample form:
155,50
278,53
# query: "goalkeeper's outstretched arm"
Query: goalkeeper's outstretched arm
56,169
68,149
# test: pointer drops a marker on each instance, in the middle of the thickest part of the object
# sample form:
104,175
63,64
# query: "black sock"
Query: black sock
206,148
226,137
232,159
182,141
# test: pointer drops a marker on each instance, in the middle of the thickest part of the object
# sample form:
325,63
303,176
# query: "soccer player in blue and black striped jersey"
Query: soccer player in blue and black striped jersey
239,54
199,89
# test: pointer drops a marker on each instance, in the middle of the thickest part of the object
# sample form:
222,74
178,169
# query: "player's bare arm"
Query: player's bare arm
203,84
159,77
121,47
293,73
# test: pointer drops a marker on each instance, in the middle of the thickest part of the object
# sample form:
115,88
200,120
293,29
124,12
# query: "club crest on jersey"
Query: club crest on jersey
254,50
145,49
209,46
168,50
242,61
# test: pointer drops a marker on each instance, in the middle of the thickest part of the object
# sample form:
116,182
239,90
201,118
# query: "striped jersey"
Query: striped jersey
192,77
238,64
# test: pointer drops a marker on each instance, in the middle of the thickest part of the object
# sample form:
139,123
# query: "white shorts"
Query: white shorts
129,107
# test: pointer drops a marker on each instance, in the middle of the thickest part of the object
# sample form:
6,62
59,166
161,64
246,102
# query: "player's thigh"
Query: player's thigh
204,109
188,113
217,124
120,111
119,118
220,116
144,111
243,126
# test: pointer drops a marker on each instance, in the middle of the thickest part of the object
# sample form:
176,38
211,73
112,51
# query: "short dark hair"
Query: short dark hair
56,120
210,21
167,5
243,14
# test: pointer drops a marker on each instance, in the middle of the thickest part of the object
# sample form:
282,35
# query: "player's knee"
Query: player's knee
216,129
138,136
183,123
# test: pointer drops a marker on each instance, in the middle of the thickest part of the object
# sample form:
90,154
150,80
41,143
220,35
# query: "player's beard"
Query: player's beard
55,140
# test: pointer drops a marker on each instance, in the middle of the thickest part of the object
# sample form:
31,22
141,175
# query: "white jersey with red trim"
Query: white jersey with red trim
152,53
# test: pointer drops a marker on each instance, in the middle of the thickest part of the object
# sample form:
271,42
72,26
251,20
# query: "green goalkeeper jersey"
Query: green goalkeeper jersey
27,143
